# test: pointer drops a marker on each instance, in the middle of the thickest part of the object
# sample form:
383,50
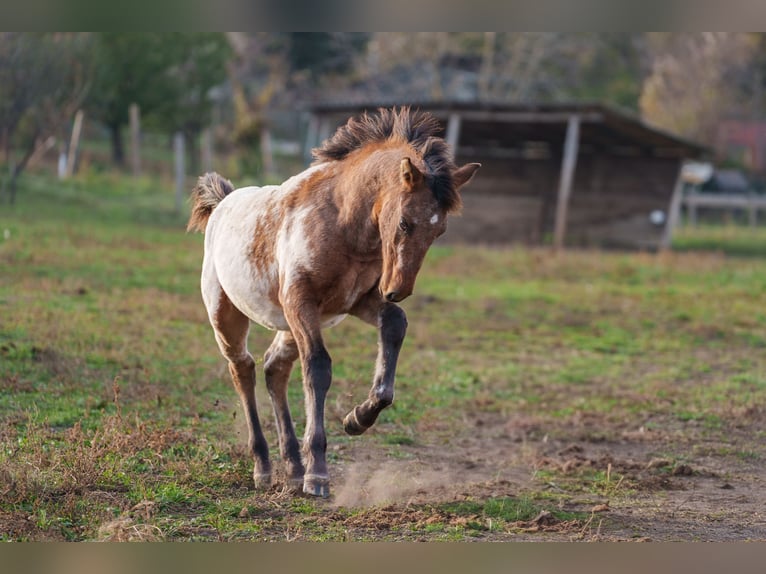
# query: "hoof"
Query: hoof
351,424
262,481
314,485
295,485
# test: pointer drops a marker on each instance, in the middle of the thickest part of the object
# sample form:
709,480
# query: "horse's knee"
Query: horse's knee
278,360
241,366
273,366
319,369
276,374
394,324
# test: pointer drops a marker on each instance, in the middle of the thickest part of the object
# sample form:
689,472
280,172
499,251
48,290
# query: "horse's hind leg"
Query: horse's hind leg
278,362
231,328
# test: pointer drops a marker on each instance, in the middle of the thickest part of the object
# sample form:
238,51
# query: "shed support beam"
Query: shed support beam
568,165
453,131
674,210
312,135
324,130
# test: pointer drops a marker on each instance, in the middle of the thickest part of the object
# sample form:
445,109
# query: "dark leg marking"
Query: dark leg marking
392,329
278,362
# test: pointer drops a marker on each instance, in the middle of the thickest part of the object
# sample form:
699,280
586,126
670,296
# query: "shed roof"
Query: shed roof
602,125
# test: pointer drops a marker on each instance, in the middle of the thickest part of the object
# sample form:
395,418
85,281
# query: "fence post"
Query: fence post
752,212
207,150
693,214
178,149
74,142
61,165
135,139
267,156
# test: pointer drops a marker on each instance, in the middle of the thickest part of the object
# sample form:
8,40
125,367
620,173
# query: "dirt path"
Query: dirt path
670,486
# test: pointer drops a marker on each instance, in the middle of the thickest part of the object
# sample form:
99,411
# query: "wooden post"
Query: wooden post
324,130
674,210
207,149
12,183
453,131
312,134
568,165
74,142
267,157
178,149
487,61
135,139
61,166
752,212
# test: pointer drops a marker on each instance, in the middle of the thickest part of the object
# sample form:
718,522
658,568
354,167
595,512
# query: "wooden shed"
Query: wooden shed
561,174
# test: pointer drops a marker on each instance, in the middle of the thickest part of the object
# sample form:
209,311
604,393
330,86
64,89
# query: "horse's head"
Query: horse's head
411,217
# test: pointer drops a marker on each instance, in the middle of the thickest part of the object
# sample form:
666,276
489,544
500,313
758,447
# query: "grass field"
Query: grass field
580,396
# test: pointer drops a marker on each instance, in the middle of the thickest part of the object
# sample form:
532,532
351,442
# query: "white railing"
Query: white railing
749,203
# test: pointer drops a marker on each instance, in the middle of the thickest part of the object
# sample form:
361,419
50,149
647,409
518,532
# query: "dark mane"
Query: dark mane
417,128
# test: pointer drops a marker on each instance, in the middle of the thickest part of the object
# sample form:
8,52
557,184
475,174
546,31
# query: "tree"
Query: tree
197,63
324,53
753,81
168,75
695,80
43,81
609,67
506,66
420,66
257,72
129,68
291,65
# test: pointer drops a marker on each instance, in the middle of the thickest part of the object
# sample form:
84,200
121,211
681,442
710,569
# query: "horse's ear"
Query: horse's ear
463,175
411,176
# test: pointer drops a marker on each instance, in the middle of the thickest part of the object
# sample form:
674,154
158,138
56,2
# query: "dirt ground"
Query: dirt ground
669,486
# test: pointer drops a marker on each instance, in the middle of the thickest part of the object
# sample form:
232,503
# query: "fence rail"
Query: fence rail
749,203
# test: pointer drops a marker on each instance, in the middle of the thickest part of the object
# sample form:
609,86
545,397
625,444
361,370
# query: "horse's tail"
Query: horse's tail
211,188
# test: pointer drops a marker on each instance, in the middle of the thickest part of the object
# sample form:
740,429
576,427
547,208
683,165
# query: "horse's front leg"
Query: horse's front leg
305,325
392,326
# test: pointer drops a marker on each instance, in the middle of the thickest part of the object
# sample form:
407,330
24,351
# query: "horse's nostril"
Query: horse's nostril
391,295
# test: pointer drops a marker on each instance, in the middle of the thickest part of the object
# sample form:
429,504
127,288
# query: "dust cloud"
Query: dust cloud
367,484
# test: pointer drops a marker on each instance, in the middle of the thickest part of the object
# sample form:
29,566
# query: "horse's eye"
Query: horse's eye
404,226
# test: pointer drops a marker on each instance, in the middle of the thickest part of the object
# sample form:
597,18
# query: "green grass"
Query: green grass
726,238
118,421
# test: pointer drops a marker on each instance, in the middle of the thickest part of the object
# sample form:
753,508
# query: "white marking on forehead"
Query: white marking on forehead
435,219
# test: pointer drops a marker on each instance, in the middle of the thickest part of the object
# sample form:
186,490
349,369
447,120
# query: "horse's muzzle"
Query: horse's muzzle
396,296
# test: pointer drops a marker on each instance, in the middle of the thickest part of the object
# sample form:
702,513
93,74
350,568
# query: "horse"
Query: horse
347,236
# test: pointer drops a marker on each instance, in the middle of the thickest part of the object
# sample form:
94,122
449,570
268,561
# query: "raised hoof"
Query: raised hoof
351,424
316,486
262,481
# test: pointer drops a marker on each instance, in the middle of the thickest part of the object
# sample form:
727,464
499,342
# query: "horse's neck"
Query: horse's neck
357,191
